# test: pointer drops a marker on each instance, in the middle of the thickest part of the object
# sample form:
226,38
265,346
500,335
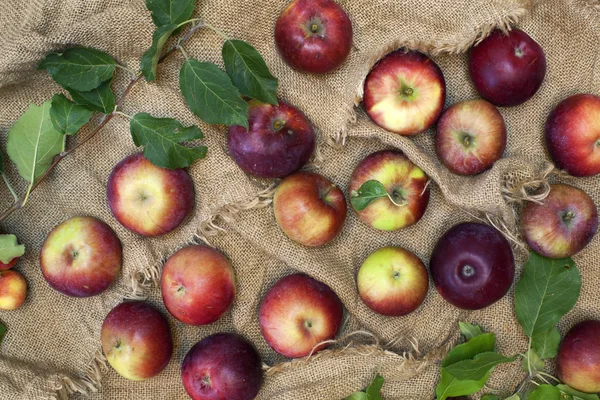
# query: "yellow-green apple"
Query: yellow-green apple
562,224
314,36
388,191
309,208
470,137
136,340
405,92
81,257
297,314
279,141
13,290
578,359
198,285
8,265
392,281
573,135
147,199
223,366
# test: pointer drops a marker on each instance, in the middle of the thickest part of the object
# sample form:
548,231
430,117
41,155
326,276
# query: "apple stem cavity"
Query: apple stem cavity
398,198
308,324
278,124
518,52
467,140
568,216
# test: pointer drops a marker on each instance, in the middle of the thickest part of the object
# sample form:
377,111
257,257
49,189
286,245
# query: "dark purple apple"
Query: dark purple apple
578,359
472,266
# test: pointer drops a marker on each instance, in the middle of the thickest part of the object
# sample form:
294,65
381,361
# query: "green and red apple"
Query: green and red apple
578,359
13,290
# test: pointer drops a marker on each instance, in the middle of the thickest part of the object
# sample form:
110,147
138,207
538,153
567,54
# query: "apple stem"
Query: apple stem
278,124
467,141
408,91
598,143
314,28
568,216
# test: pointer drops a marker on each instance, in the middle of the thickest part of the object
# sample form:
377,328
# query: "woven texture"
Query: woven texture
51,350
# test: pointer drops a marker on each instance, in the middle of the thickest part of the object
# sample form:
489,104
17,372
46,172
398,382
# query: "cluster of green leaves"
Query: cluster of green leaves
372,392
10,248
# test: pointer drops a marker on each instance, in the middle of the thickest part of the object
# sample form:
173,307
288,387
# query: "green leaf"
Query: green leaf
2,331
210,94
545,392
468,330
100,99
33,142
483,343
249,72
546,343
577,395
374,389
166,12
79,68
368,192
1,163
513,397
161,137
149,61
478,367
532,359
548,289
67,116
10,248
490,397
449,386
358,396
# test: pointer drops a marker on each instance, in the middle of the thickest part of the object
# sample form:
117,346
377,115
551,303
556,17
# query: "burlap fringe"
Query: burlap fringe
517,190
89,383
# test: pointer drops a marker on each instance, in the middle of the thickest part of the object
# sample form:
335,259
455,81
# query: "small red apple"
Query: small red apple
8,265
578,359
198,285
573,135
470,137
309,208
314,36
13,290
297,314
405,92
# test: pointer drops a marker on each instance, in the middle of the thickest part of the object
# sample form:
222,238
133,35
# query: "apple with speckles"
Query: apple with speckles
578,359
13,290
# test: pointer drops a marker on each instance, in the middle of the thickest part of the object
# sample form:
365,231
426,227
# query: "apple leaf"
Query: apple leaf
469,330
67,116
33,142
490,397
2,331
79,68
210,94
149,62
548,289
545,392
577,395
449,386
249,72
100,99
372,392
368,192
513,397
166,12
546,343
358,396
10,248
478,367
533,360
483,343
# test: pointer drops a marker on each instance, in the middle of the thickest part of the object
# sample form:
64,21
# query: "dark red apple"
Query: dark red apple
573,135
223,366
314,36
507,69
472,266
279,142
578,359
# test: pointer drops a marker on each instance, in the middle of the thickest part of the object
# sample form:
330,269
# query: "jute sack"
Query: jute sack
52,349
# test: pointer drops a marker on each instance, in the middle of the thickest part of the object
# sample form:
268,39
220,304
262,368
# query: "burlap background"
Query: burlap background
51,349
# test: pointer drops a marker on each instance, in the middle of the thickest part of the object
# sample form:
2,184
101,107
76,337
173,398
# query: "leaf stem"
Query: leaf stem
182,50
9,186
217,31
529,357
122,114
188,22
548,375
124,68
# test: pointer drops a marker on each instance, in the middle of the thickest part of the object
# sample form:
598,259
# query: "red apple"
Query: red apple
279,142
314,36
573,135
563,224
147,199
309,208
297,314
198,285
507,69
406,193
578,359
405,92
223,366
393,281
136,340
13,290
8,265
81,257
470,137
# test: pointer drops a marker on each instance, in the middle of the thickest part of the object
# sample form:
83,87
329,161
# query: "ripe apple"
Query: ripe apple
309,208
13,290
136,340
298,313
472,266
470,137
393,281
81,257
507,69
313,36
198,285
222,366
562,225
147,199
573,135
279,142
9,265
405,184
405,92
578,359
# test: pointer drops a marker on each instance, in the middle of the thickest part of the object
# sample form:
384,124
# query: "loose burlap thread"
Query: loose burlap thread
52,348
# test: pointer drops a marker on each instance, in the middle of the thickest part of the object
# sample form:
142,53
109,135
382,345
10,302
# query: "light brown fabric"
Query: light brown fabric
51,350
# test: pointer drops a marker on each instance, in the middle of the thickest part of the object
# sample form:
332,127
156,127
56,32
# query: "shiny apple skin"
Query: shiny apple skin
573,135
13,290
223,366
507,70
279,141
11,264
578,359
548,228
405,92
470,137
309,208
488,254
322,50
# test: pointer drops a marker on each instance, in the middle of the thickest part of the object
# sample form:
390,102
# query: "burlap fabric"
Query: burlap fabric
52,349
